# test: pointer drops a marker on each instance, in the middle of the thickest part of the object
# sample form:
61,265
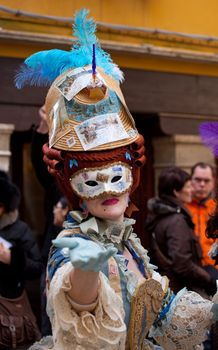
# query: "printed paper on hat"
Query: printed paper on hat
99,130
112,84
76,81
58,117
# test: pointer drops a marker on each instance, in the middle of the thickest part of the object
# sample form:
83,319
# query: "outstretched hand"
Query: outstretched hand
85,254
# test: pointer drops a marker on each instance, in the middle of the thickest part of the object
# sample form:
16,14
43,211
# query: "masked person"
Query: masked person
102,291
60,211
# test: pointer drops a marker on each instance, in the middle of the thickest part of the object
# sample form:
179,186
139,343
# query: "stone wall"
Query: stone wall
180,150
5,153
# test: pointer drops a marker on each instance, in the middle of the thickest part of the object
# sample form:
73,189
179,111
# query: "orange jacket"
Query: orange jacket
200,213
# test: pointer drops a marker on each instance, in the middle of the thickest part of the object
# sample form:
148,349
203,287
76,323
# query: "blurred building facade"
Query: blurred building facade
169,54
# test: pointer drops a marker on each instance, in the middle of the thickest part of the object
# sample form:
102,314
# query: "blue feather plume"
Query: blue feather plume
84,29
42,68
32,77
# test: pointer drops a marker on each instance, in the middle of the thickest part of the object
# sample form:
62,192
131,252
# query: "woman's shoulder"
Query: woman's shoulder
177,220
172,217
180,217
23,231
16,228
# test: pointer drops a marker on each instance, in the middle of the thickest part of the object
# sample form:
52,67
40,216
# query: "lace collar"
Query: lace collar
104,232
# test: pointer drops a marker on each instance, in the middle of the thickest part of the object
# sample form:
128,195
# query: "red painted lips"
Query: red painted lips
111,201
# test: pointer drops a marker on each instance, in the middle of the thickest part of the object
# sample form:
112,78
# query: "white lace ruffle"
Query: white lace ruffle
186,322
46,343
104,328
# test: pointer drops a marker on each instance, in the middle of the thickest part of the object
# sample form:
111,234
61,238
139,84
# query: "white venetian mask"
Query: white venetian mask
114,179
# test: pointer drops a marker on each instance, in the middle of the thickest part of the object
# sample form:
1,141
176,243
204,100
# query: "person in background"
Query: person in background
51,189
52,195
20,258
60,213
175,248
201,208
202,205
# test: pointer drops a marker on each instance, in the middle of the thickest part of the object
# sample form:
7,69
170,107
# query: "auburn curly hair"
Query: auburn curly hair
58,163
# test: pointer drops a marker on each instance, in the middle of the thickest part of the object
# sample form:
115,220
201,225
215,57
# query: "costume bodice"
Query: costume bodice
129,272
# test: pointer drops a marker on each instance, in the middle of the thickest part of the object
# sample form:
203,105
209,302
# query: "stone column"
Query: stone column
5,154
180,150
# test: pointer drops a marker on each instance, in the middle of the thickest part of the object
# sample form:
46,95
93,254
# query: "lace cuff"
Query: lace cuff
186,323
80,307
104,327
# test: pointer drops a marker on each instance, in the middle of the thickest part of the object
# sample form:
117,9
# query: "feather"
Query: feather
84,29
209,135
103,60
26,75
42,68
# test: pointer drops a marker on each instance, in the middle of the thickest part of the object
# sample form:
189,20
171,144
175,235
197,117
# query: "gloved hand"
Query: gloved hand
85,254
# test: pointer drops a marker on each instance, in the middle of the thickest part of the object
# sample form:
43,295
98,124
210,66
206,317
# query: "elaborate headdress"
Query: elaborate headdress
89,122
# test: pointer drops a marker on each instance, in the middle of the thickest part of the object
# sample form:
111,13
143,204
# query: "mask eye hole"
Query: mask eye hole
91,183
116,178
